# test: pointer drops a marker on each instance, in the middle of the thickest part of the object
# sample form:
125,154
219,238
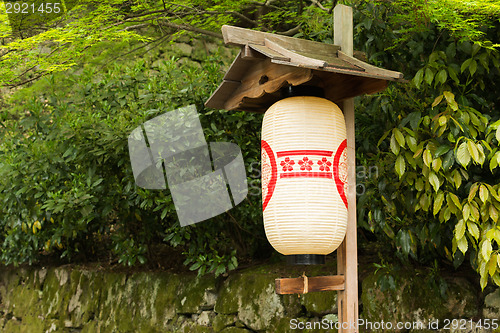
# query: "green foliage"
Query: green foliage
436,194
66,184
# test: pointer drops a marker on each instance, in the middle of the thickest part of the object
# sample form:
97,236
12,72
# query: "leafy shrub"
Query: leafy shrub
66,184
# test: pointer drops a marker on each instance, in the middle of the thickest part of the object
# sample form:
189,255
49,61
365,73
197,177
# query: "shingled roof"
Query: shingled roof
267,62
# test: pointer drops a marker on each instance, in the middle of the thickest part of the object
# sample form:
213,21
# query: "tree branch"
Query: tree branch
191,28
317,3
133,50
290,32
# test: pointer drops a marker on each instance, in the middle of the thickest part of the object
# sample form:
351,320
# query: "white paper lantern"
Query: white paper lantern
304,177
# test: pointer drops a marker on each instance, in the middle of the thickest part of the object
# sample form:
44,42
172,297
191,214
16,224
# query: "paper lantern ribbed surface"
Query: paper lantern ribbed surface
304,175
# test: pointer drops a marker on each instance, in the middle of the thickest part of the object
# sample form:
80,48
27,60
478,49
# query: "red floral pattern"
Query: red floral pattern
306,164
324,164
287,164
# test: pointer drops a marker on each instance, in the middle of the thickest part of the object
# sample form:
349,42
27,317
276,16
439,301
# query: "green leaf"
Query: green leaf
483,281
442,120
436,164
417,80
462,245
466,212
441,76
427,158
496,277
448,160
473,150
450,98
404,241
493,213
437,100
429,75
419,184
434,181
400,165
220,270
473,67
412,143
474,213
414,119
441,150
195,266
486,250
438,202
394,145
383,137
460,229
399,137
453,74
497,134
455,200
493,193
473,192
483,193
473,229
465,65
475,48
493,163
492,264
463,155
410,160
457,178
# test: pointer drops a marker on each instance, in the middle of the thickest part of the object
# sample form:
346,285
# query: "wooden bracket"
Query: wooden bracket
266,77
367,67
304,284
298,59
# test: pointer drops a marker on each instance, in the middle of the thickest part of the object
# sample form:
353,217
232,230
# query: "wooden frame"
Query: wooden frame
346,282
347,255
268,62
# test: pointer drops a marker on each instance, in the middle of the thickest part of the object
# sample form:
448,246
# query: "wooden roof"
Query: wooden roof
268,62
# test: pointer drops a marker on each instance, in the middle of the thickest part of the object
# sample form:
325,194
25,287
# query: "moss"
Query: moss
44,301
197,329
222,321
236,330
191,296
34,324
164,305
292,304
413,300
24,300
320,303
13,326
253,297
492,305
282,325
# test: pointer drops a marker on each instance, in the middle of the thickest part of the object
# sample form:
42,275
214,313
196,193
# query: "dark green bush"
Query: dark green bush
66,184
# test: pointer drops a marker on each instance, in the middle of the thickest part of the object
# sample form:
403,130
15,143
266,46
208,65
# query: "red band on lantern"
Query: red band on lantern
307,174
269,173
304,152
340,170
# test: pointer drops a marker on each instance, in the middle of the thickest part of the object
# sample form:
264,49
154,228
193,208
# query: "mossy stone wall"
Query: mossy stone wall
66,299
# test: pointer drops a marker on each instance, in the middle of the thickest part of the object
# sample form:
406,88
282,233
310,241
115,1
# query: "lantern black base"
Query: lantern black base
306,259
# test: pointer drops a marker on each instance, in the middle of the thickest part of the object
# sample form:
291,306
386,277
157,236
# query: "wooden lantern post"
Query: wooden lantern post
269,62
347,256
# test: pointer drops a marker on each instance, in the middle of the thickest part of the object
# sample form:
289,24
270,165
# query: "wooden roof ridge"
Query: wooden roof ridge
299,51
267,62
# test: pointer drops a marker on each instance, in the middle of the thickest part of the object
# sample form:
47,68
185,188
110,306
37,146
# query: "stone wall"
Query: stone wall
68,299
